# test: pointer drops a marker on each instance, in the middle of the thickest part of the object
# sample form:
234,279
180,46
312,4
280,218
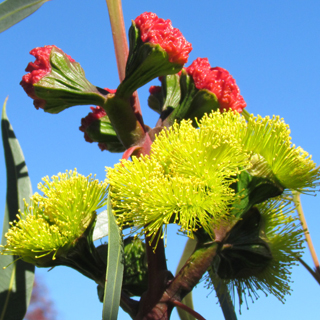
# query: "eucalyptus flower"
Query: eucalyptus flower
193,176
50,227
271,154
186,180
259,252
274,155
156,49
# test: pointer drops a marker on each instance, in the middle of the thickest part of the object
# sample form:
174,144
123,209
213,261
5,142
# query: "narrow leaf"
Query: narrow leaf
224,297
187,300
13,11
101,227
114,276
16,281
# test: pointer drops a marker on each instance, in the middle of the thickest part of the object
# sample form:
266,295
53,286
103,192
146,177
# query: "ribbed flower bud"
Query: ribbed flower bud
156,49
218,81
196,90
56,82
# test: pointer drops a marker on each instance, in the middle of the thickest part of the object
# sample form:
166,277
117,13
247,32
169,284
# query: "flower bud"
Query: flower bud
156,49
218,81
155,100
98,128
199,90
166,98
57,82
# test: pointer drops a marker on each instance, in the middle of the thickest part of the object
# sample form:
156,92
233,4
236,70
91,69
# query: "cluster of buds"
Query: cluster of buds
56,82
222,178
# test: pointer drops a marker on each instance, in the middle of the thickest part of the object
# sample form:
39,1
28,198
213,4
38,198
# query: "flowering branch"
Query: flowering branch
222,177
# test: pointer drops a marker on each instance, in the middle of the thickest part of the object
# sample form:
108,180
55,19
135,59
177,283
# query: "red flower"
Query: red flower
218,81
159,31
96,114
38,69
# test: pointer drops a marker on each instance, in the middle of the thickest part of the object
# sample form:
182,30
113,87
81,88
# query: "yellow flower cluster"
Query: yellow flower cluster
189,176
51,224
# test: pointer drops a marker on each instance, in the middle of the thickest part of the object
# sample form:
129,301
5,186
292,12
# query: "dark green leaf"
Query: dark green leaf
187,300
16,280
13,11
112,291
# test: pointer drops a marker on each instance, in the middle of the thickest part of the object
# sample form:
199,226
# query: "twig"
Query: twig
187,309
296,199
313,273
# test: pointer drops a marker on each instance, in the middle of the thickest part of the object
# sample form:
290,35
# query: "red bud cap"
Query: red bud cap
56,82
37,70
218,81
160,31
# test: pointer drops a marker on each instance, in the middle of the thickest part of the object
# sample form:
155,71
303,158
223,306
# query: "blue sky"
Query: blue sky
272,49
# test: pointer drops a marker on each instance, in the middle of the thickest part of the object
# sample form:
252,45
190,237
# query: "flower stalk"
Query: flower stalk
120,43
297,201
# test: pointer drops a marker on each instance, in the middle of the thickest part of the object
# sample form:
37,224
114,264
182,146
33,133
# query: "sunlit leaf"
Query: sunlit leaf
13,11
114,276
16,280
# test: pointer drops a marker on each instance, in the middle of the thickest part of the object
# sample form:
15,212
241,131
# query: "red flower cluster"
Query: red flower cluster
38,69
96,114
159,31
218,81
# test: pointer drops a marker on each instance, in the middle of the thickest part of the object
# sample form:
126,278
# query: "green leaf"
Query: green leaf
16,281
187,300
114,276
13,11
